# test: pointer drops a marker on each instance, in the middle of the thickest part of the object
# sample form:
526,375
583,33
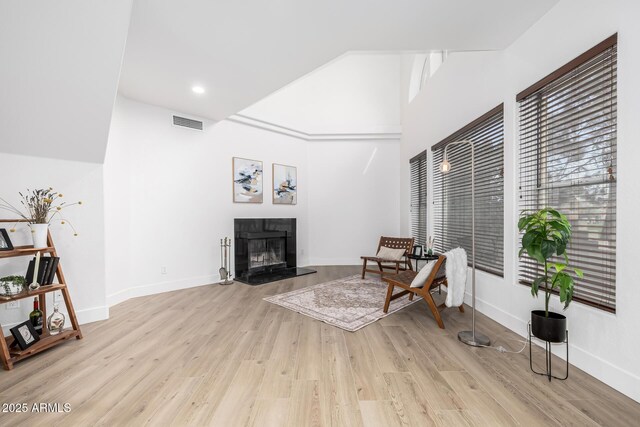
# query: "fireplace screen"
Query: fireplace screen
266,252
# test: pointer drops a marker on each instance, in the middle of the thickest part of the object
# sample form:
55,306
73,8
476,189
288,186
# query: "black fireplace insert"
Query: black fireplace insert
265,250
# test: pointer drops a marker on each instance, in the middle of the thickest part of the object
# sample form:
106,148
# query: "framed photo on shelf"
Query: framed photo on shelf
5,242
247,180
417,250
284,184
25,335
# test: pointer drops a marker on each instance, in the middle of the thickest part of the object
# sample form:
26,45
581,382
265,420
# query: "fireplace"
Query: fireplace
265,250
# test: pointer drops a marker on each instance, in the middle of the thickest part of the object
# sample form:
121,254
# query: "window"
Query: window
568,162
418,208
452,192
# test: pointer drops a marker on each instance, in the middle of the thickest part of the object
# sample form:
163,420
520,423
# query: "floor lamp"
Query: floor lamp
471,337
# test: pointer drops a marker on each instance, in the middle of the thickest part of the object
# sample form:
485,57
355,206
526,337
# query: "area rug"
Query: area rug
349,303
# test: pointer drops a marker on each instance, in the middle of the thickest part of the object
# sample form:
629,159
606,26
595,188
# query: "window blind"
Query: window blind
568,125
452,192
418,208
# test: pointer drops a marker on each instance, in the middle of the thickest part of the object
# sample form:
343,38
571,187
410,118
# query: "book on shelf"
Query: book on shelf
53,266
46,270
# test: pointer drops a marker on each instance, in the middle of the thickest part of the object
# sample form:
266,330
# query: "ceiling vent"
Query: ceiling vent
187,123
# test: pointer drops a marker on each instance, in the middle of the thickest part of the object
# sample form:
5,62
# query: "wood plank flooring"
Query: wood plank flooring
219,355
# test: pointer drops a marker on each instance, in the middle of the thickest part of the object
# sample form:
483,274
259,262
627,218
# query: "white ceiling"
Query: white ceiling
240,51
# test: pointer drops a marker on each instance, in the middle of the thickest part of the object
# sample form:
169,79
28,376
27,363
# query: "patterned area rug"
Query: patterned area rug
349,303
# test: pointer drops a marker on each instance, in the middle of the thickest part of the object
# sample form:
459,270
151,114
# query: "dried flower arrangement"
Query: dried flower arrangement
41,206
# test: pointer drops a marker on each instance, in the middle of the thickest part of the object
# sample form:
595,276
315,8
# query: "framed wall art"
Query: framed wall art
285,184
247,180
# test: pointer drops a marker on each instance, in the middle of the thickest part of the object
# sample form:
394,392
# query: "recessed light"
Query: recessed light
198,89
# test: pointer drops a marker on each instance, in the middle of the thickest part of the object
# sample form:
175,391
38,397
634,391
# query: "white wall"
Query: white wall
353,199
356,93
82,257
168,197
466,86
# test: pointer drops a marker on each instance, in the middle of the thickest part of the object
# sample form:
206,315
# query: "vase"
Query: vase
39,235
55,323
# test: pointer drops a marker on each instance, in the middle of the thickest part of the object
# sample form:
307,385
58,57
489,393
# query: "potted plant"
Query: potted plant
11,285
41,206
547,233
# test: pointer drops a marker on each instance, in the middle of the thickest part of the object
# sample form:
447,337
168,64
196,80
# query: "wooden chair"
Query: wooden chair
394,243
403,280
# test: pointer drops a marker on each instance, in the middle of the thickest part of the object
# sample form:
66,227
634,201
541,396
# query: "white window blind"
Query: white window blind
418,195
568,126
452,192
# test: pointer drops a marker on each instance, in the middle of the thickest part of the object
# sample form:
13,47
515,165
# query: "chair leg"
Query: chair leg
397,267
381,271
461,308
411,296
434,310
388,300
364,267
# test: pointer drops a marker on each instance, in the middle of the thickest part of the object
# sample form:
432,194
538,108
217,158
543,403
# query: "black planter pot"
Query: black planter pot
551,329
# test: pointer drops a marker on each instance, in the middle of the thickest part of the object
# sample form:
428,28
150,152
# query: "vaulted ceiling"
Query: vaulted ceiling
60,62
241,51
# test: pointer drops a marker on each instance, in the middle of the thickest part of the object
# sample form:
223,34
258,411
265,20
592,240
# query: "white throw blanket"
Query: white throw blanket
456,269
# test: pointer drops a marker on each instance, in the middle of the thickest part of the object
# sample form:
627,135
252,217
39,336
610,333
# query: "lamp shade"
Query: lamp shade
445,166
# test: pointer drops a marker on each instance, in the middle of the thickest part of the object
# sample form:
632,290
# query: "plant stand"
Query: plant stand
548,354
8,354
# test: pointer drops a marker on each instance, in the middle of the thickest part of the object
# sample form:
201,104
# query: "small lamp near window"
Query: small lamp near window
445,167
471,337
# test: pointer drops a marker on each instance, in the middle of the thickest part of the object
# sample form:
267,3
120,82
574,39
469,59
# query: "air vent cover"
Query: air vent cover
187,123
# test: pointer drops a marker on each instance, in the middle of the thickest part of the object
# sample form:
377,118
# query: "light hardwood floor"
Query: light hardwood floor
217,355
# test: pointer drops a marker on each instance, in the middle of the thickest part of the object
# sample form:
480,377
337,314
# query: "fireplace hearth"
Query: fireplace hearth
265,250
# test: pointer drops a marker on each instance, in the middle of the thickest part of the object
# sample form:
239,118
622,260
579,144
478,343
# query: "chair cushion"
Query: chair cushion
390,253
423,275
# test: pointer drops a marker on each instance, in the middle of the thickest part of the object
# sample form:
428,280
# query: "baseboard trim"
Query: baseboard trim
614,376
160,287
94,314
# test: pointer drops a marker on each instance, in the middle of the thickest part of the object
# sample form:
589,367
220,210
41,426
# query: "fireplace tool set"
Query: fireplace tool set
225,270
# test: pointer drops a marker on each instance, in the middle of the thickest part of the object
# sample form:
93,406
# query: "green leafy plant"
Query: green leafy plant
18,280
547,233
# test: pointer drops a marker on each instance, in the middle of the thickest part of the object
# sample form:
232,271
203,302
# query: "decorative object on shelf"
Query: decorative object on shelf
39,234
471,337
11,285
546,235
42,206
36,317
247,180
5,242
285,184
25,335
36,272
225,261
430,245
417,250
55,322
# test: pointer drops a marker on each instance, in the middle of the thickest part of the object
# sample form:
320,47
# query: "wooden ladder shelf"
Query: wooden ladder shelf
11,355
